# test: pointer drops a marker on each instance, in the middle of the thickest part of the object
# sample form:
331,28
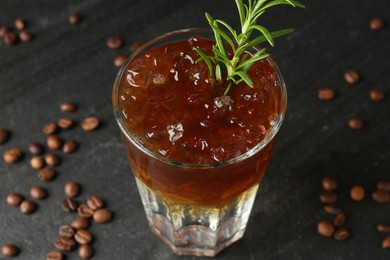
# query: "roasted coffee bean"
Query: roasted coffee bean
55,255
326,94
12,155
84,211
357,193
351,77
381,196
386,243
383,185
135,46
376,95
376,24
355,123
4,135
95,202
383,228
10,37
332,210
14,199
46,174
20,24
74,18
69,204
70,147
54,142
27,207
72,189
328,197
68,107
66,231
3,31
85,252
25,36
120,60
329,184
50,128
9,250
102,216
52,159
341,234
37,162
38,193
83,237
325,228
90,124
80,223
114,42
65,243
339,220
35,148
65,123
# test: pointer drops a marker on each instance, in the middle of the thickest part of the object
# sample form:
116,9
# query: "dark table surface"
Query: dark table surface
66,62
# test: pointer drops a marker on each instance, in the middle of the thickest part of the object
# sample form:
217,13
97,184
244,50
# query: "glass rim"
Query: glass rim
130,136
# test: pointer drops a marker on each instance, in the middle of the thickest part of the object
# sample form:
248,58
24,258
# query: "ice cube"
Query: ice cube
159,79
175,132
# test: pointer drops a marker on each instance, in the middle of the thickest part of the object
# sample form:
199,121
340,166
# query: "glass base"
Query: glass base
194,229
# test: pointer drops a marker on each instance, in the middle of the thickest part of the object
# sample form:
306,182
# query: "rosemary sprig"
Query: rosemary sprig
234,69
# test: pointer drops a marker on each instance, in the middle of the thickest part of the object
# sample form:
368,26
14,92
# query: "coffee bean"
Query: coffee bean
83,237
65,123
55,255
357,193
90,124
377,95
69,204
27,207
74,18
50,128
95,203
381,196
324,228
383,228
14,199
341,234
46,174
35,148
72,189
10,37
383,185
68,107
53,142
135,46
25,36
376,24
37,162
339,220
326,94
329,184
3,31
70,147
85,252
52,159
38,193
328,197
386,243
84,211
12,155
114,42
66,231
20,24
65,243
120,60
9,250
4,135
332,210
80,223
355,123
351,77
102,216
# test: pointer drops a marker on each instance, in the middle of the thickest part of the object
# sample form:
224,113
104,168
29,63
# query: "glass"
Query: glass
197,209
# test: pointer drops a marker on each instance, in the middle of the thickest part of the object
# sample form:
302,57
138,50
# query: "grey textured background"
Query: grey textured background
67,62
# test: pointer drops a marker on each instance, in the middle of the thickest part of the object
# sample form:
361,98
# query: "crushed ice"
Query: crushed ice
175,132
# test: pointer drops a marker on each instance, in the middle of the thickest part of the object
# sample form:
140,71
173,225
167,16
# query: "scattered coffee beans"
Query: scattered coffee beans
114,42
4,135
66,231
120,60
332,210
80,223
68,107
83,237
376,95
95,203
381,196
325,228
383,228
14,199
50,128
339,220
65,243
357,193
85,252
326,94
46,174
53,142
20,24
9,250
102,216
52,159
70,147
37,162
3,31
351,77
90,124
329,184
27,207
72,189
25,36
376,24
328,197
341,234
386,243
383,185
84,211
55,255
69,204
10,37
38,193
74,18
65,123
12,155
35,148
355,123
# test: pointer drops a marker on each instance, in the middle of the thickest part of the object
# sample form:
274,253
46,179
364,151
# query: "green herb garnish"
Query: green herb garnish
235,69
